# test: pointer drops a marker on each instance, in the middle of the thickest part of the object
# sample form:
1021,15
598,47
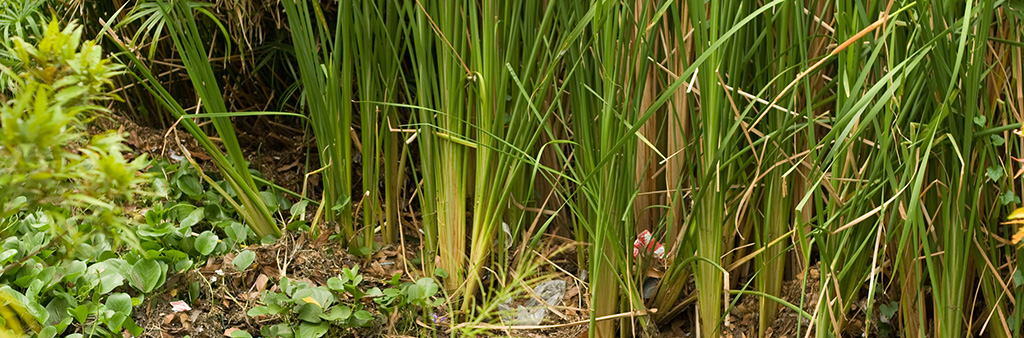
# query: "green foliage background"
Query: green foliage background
877,144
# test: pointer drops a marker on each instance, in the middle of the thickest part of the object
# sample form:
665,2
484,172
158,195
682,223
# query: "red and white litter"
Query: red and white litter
646,240
180,306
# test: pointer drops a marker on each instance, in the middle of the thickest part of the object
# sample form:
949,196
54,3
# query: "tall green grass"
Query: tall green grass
326,61
444,79
183,30
758,141
379,53
511,70
601,206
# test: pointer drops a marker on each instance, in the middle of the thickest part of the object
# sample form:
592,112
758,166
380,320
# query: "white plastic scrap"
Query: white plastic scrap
533,312
180,306
174,156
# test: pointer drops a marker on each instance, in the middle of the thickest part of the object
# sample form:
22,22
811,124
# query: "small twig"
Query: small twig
840,48
559,268
401,239
437,30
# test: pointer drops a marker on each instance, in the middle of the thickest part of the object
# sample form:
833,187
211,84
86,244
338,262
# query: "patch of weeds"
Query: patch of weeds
400,302
87,292
74,258
67,197
308,311
192,221
189,223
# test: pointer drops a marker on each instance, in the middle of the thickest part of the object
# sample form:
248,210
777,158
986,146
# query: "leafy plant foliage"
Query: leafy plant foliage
65,194
310,311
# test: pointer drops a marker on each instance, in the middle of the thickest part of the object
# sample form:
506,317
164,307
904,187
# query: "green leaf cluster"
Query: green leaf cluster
309,311
47,161
64,195
90,291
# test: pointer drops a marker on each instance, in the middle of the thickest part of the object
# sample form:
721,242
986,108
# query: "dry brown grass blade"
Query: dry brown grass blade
864,32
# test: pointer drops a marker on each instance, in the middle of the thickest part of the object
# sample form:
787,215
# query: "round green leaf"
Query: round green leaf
6,255
269,200
48,332
309,312
240,334
147,274
206,242
340,312
120,303
308,330
190,185
193,217
257,311
335,283
107,275
243,260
